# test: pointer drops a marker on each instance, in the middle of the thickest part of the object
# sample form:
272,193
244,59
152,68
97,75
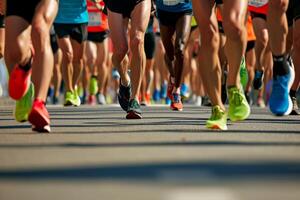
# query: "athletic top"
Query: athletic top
97,19
258,6
72,12
174,5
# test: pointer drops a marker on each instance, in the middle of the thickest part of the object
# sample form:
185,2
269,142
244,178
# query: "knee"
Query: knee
209,38
40,32
233,27
264,39
137,42
68,56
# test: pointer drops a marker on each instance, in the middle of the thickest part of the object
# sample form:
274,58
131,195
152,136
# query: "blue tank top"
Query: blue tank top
72,12
174,5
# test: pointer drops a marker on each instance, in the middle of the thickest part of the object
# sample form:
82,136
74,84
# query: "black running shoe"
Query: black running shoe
124,96
134,110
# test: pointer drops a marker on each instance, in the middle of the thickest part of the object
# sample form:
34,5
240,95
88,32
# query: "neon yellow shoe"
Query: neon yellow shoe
218,119
68,98
243,73
76,99
23,106
239,108
93,86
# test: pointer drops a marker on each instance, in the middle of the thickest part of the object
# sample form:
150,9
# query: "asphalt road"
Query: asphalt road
95,153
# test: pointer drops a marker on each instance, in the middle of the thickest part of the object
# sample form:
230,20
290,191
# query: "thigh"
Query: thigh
65,46
45,12
140,18
183,27
78,50
118,30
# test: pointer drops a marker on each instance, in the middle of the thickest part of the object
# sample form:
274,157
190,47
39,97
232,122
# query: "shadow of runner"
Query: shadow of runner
172,172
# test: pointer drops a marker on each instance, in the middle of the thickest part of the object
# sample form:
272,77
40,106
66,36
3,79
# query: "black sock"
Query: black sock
27,66
293,93
281,66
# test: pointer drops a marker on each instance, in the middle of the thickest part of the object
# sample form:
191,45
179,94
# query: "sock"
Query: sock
281,66
293,93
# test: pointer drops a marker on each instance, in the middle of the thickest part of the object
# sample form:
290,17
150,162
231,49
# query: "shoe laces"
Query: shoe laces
217,113
235,97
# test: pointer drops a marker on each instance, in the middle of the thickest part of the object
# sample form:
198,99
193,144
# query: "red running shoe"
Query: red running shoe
39,117
19,82
176,103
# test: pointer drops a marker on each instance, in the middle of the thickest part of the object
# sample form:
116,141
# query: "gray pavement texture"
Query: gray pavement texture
95,153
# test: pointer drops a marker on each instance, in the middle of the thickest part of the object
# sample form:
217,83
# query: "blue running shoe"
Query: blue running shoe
280,100
258,80
168,101
163,91
156,95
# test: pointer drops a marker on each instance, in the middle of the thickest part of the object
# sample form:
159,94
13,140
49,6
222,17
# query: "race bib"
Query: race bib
172,2
94,19
257,3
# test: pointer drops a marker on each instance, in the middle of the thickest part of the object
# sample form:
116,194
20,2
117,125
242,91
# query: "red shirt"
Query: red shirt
258,6
97,19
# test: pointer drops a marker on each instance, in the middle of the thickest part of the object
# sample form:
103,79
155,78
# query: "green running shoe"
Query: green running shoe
69,98
218,119
239,108
134,110
243,73
76,99
93,87
23,106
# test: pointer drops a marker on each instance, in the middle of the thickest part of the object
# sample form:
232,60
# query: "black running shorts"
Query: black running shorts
97,37
76,32
124,7
293,12
24,9
170,18
149,45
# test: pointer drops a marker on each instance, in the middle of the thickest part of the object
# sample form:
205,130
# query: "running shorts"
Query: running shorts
121,6
77,32
149,45
170,18
24,9
97,37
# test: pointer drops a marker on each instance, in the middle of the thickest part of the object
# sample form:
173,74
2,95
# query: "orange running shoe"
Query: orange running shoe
170,90
19,82
176,103
39,117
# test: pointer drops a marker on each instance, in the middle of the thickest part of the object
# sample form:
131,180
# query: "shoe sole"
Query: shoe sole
217,127
133,115
40,123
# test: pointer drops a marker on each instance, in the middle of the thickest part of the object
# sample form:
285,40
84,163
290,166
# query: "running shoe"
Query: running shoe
76,99
19,82
115,74
55,100
134,110
280,101
124,96
93,86
295,110
258,80
148,98
23,106
39,117
163,91
176,103
239,108
168,101
101,99
218,119
92,100
156,95
184,91
260,102
243,73
69,98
